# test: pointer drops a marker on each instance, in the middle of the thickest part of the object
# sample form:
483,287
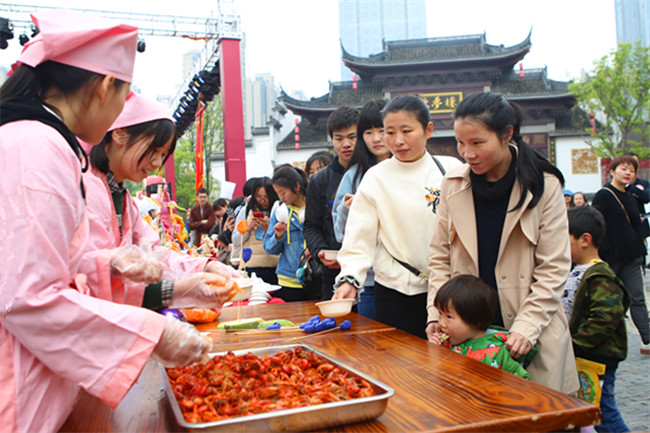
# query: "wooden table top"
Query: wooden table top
435,389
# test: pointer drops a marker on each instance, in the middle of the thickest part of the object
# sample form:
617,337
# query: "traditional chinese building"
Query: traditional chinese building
443,71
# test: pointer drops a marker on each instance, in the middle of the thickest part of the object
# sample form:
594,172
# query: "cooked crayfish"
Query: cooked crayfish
230,385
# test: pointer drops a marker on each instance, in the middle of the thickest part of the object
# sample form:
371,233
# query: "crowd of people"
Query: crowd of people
492,251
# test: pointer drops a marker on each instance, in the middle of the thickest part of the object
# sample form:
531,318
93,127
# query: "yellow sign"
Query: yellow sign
442,102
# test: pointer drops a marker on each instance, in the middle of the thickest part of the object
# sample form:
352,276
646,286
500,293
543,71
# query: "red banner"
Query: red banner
200,113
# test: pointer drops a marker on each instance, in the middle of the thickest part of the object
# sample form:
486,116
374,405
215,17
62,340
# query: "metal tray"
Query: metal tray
299,419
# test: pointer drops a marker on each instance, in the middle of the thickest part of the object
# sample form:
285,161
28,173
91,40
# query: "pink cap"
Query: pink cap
84,41
138,109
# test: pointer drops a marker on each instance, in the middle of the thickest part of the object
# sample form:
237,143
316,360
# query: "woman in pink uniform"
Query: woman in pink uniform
70,80
138,143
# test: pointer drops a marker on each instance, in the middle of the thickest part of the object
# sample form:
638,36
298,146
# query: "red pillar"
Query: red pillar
233,113
170,175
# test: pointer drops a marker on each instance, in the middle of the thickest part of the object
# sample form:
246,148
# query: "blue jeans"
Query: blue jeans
366,306
612,421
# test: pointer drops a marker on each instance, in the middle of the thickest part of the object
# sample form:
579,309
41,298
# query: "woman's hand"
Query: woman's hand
331,264
181,344
518,345
433,332
347,200
202,290
345,291
216,267
253,225
264,222
280,229
133,264
229,224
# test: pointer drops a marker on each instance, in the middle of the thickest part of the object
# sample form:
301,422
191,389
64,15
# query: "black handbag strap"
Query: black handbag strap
439,164
412,269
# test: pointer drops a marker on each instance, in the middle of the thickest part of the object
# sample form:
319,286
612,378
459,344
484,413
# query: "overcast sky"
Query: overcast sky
298,40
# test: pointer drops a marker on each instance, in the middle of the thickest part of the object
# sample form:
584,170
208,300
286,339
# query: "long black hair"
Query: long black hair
160,131
266,184
28,82
498,115
291,177
370,117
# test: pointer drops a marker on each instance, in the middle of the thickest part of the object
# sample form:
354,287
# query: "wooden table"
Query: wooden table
435,389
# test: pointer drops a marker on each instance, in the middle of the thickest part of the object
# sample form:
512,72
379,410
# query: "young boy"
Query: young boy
318,228
467,306
597,310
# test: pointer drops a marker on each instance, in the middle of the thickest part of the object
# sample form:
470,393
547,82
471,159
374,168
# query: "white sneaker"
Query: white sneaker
645,349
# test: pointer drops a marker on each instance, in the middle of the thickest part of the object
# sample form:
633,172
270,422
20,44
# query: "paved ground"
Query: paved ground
633,380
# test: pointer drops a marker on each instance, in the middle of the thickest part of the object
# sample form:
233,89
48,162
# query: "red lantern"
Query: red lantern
354,82
521,72
297,137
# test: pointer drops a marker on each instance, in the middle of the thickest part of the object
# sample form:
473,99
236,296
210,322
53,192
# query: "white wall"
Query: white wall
294,156
587,183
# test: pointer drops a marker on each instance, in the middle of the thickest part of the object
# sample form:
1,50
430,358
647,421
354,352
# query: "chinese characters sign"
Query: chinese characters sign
442,102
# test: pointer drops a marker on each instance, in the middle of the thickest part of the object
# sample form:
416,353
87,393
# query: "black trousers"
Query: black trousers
408,313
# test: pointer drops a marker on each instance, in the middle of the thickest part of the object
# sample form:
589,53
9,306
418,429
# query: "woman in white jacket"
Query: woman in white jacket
395,203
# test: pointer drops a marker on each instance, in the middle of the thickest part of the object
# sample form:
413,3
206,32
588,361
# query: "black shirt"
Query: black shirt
490,208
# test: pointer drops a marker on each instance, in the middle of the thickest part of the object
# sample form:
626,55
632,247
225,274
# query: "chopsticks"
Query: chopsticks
261,331
311,334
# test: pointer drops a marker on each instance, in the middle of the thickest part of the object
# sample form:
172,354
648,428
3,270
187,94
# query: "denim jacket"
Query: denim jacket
290,246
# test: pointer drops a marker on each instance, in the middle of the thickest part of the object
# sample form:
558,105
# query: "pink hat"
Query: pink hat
84,41
138,109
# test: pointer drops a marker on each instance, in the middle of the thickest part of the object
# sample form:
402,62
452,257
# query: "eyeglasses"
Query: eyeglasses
261,197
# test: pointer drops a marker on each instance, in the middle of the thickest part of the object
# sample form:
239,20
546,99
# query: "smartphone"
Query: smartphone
258,214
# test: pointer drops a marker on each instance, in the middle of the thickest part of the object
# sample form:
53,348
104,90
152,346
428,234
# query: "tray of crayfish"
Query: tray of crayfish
278,388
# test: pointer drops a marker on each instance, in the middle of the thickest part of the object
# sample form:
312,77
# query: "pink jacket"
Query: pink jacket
56,339
105,234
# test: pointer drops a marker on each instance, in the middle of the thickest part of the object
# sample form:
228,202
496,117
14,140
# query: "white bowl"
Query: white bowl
246,286
335,307
330,254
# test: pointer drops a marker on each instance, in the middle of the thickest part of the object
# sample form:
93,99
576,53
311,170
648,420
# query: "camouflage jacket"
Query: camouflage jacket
597,322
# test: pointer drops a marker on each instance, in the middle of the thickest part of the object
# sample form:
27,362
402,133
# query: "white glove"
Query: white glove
133,264
216,267
181,344
202,290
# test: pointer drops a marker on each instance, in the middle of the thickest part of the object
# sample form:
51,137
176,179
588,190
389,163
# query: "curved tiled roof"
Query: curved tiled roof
534,84
312,136
431,51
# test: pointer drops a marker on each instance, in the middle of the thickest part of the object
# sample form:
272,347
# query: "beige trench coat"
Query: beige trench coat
532,266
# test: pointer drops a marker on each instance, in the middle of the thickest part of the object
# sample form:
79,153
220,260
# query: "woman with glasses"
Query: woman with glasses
257,211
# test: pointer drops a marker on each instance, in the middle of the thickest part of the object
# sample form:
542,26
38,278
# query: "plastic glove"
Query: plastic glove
133,264
203,290
181,344
216,267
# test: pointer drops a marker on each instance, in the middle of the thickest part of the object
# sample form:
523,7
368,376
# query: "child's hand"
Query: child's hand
435,338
